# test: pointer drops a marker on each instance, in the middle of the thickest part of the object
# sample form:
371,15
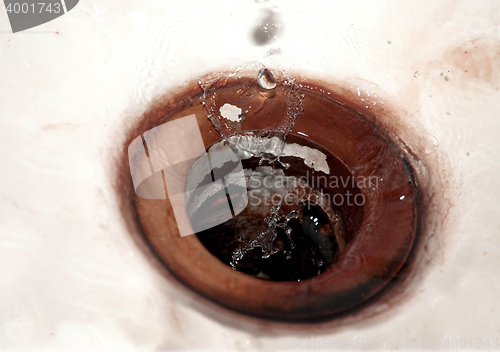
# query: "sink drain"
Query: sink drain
326,216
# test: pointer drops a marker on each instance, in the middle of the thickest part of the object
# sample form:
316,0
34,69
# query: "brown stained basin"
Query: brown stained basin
381,233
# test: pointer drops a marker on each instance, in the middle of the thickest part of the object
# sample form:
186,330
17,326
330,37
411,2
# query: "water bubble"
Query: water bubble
433,143
266,79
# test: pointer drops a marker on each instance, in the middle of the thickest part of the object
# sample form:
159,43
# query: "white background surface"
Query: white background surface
73,279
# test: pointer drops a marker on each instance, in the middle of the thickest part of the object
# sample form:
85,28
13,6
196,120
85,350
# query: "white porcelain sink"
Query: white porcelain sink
72,276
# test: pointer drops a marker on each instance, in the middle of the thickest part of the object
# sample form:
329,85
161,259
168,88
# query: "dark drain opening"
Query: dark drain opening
314,237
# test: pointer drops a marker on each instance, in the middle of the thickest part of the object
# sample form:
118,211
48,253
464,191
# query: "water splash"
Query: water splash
277,137
264,77
265,239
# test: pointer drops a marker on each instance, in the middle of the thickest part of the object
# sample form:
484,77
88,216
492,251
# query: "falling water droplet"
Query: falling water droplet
266,79
268,28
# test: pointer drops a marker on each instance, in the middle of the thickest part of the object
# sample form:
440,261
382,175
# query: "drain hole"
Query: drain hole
312,252
291,226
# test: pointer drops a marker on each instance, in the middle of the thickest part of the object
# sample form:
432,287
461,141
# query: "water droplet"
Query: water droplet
267,28
266,79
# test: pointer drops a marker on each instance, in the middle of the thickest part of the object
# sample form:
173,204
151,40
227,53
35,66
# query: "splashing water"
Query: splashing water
278,136
265,239
267,80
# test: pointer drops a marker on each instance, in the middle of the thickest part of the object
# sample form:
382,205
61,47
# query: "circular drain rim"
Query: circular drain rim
368,264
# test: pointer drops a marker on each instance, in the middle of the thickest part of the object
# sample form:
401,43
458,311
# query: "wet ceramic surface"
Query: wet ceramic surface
73,276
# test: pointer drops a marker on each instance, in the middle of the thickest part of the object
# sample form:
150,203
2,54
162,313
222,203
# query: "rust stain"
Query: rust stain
59,127
475,61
